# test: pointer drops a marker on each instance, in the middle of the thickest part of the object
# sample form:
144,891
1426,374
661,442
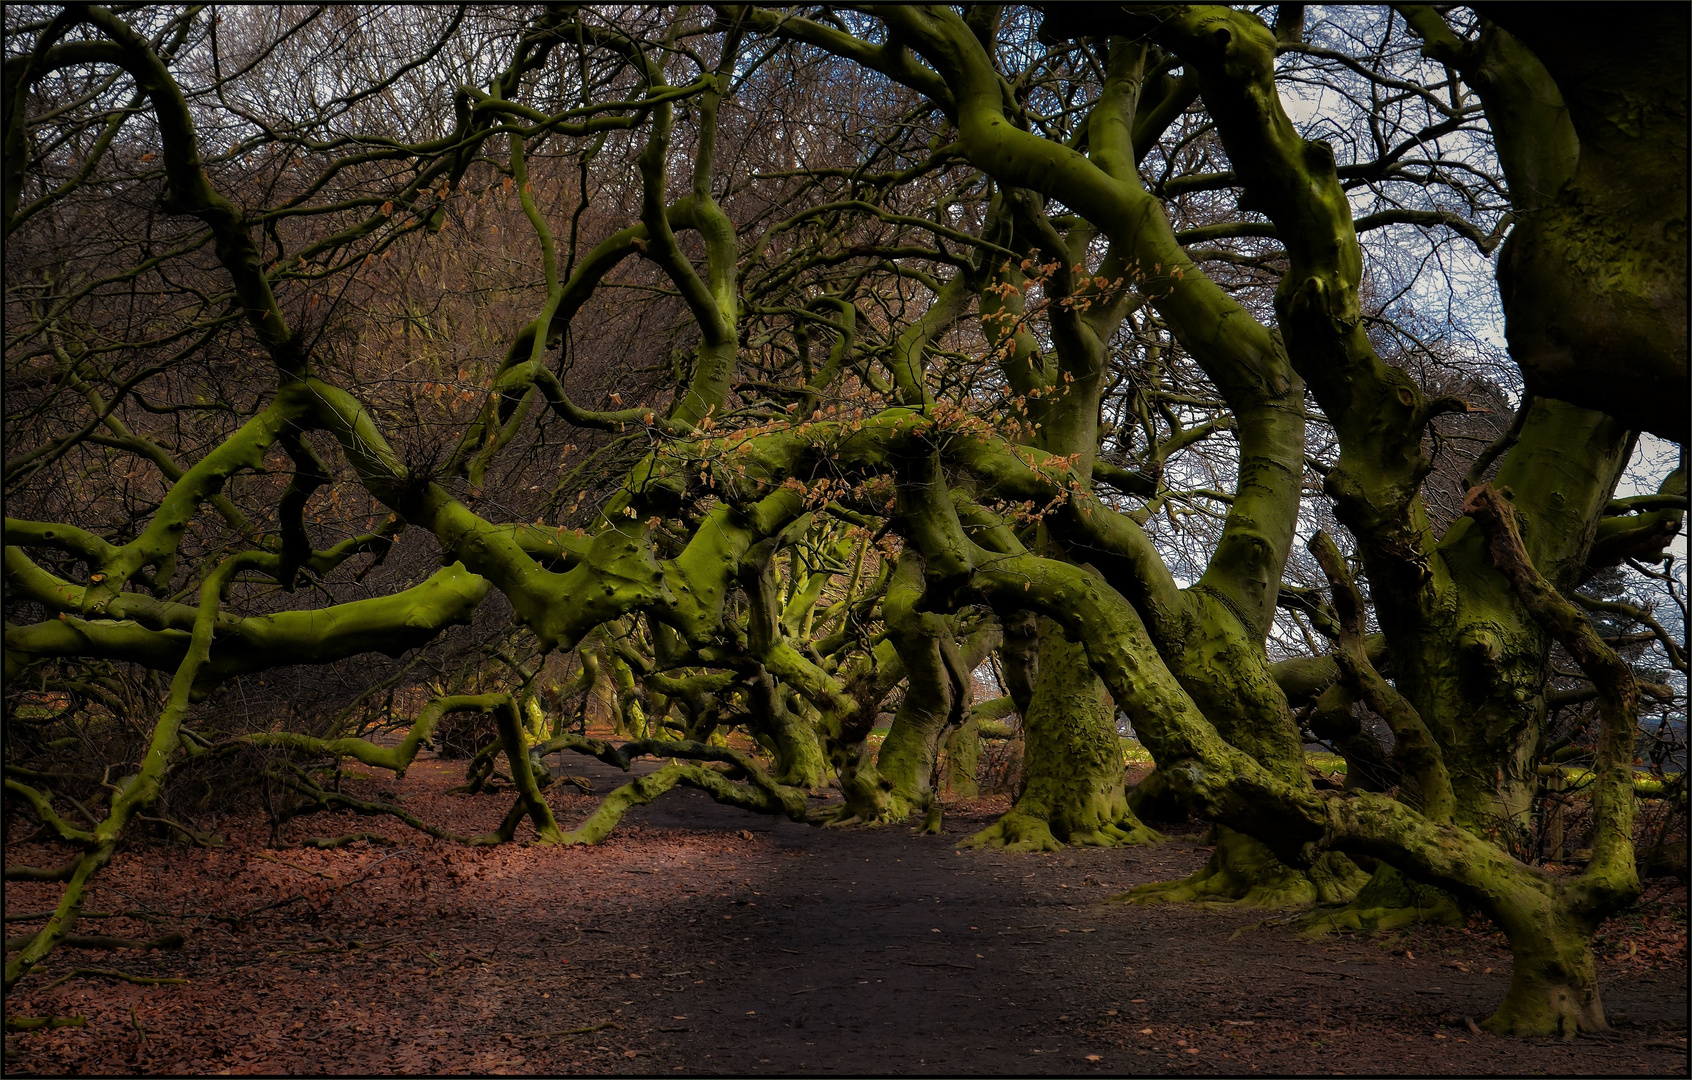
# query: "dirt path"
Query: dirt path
701,939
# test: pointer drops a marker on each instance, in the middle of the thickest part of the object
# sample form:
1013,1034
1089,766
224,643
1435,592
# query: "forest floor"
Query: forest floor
701,939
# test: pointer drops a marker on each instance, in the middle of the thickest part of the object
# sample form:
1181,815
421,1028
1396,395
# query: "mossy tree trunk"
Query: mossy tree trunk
1591,136
1072,791
939,688
963,747
937,705
1456,618
786,732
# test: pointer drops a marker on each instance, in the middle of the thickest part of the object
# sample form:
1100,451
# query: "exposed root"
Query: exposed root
1553,1009
324,799
589,1030
1126,832
193,836
867,811
1243,873
326,843
869,798
106,973
841,818
773,799
1019,830
1219,887
1016,831
40,873
101,941
1388,900
37,916
931,821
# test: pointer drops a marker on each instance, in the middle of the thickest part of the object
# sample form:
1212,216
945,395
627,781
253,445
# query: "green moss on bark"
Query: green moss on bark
1244,873
1387,901
1072,791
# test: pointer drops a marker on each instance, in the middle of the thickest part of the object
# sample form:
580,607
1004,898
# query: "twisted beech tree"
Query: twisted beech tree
774,365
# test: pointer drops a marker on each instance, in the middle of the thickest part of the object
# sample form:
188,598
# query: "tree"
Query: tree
1103,343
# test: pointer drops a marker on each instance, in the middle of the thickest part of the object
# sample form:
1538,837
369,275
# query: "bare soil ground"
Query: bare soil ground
701,939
